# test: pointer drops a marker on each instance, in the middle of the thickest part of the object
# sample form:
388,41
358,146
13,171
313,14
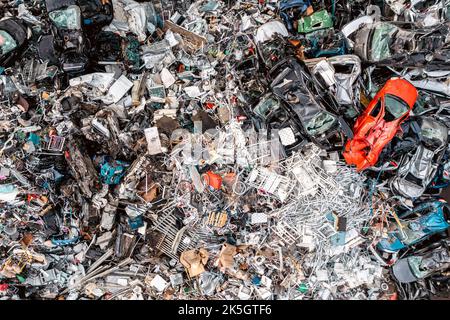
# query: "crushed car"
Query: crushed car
379,122
415,172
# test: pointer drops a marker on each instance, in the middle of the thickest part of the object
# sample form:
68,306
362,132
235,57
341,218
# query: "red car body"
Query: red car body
379,123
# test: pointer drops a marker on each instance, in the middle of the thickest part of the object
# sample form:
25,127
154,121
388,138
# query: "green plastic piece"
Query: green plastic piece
364,230
21,135
303,288
20,278
317,21
69,18
132,52
8,43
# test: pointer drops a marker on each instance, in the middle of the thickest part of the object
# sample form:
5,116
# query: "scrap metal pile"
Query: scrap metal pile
270,149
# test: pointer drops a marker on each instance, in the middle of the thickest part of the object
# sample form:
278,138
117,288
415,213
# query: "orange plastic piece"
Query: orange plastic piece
31,197
371,131
213,180
309,11
209,105
45,95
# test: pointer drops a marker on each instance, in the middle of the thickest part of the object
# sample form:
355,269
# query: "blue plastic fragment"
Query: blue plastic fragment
256,280
135,223
34,138
112,172
64,242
